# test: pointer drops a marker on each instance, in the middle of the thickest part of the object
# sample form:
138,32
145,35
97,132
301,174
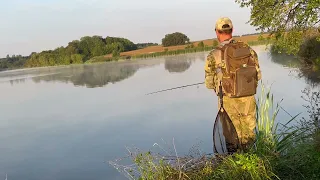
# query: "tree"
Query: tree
175,39
201,44
287,21
126,44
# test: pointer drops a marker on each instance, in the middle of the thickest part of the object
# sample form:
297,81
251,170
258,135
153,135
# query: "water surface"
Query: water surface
65,122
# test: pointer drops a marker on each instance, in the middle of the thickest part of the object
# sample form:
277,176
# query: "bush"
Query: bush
310,50
175,39
115,53
301,162
201,44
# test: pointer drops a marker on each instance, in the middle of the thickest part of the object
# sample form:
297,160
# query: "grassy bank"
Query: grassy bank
281,151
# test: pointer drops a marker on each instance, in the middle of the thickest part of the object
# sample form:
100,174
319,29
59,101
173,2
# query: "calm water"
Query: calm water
68,122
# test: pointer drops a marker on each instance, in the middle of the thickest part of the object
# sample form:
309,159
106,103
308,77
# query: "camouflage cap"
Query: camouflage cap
223,21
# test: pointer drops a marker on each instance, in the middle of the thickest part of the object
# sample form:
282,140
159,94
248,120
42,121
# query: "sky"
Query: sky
36,25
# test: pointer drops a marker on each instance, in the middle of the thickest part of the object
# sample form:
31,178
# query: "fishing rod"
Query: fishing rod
179,87
176,88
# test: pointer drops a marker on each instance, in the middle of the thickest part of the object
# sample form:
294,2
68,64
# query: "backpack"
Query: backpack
239,71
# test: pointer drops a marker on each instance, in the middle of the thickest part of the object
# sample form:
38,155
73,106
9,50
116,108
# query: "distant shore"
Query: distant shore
156,51
159,51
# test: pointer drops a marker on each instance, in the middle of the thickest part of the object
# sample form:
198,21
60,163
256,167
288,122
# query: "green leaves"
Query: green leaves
80,51
12,62
175,39
287,20
243,166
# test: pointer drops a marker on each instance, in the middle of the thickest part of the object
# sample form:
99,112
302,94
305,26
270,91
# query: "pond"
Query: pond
68,122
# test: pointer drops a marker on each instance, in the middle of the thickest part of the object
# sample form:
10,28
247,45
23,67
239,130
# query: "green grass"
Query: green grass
99,59
301,162
174,52
256,43
246,166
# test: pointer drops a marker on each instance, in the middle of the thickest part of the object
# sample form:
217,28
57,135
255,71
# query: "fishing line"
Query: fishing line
179,87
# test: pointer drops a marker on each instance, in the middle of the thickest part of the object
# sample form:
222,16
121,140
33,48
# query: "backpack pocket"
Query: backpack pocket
245,82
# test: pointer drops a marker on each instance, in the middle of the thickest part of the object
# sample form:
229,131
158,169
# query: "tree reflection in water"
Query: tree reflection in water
91,76
181,63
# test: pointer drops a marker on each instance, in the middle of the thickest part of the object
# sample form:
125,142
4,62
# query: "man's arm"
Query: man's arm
210,73
255,58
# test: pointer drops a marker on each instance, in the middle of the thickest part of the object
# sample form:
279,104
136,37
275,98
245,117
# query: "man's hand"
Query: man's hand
219,74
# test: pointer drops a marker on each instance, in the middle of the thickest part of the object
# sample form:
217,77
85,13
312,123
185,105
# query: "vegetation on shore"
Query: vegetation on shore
293,26
281,151
96,49
13,62
189,48
175,39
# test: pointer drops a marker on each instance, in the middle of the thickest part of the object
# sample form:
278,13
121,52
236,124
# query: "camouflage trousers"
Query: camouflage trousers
242,112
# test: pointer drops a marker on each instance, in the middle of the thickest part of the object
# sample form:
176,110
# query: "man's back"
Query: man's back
241,110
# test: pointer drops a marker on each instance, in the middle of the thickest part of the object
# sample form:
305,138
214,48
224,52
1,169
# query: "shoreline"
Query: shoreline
149,55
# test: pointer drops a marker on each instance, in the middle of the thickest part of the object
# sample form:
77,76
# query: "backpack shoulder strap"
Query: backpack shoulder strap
217,56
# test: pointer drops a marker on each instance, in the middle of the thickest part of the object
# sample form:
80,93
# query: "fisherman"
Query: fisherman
238,89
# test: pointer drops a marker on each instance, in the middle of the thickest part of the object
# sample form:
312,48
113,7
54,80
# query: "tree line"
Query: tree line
79,51
13,62
76,52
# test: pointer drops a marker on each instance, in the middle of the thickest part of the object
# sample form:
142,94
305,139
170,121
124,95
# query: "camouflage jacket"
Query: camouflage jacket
211,67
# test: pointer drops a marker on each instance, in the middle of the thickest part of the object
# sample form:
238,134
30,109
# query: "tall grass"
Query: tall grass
273,138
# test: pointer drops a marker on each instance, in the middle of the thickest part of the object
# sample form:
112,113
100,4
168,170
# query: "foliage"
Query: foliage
51,58
93,49
244,166
123,44
13,62
302,158
310,51
301,162
92,46
270,139
259,42
201,44
287,20
78,52
189,46
115,53
195,166
144,45
312,124
175,39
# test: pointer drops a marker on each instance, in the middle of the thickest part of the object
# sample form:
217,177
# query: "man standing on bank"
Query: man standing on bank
236,66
